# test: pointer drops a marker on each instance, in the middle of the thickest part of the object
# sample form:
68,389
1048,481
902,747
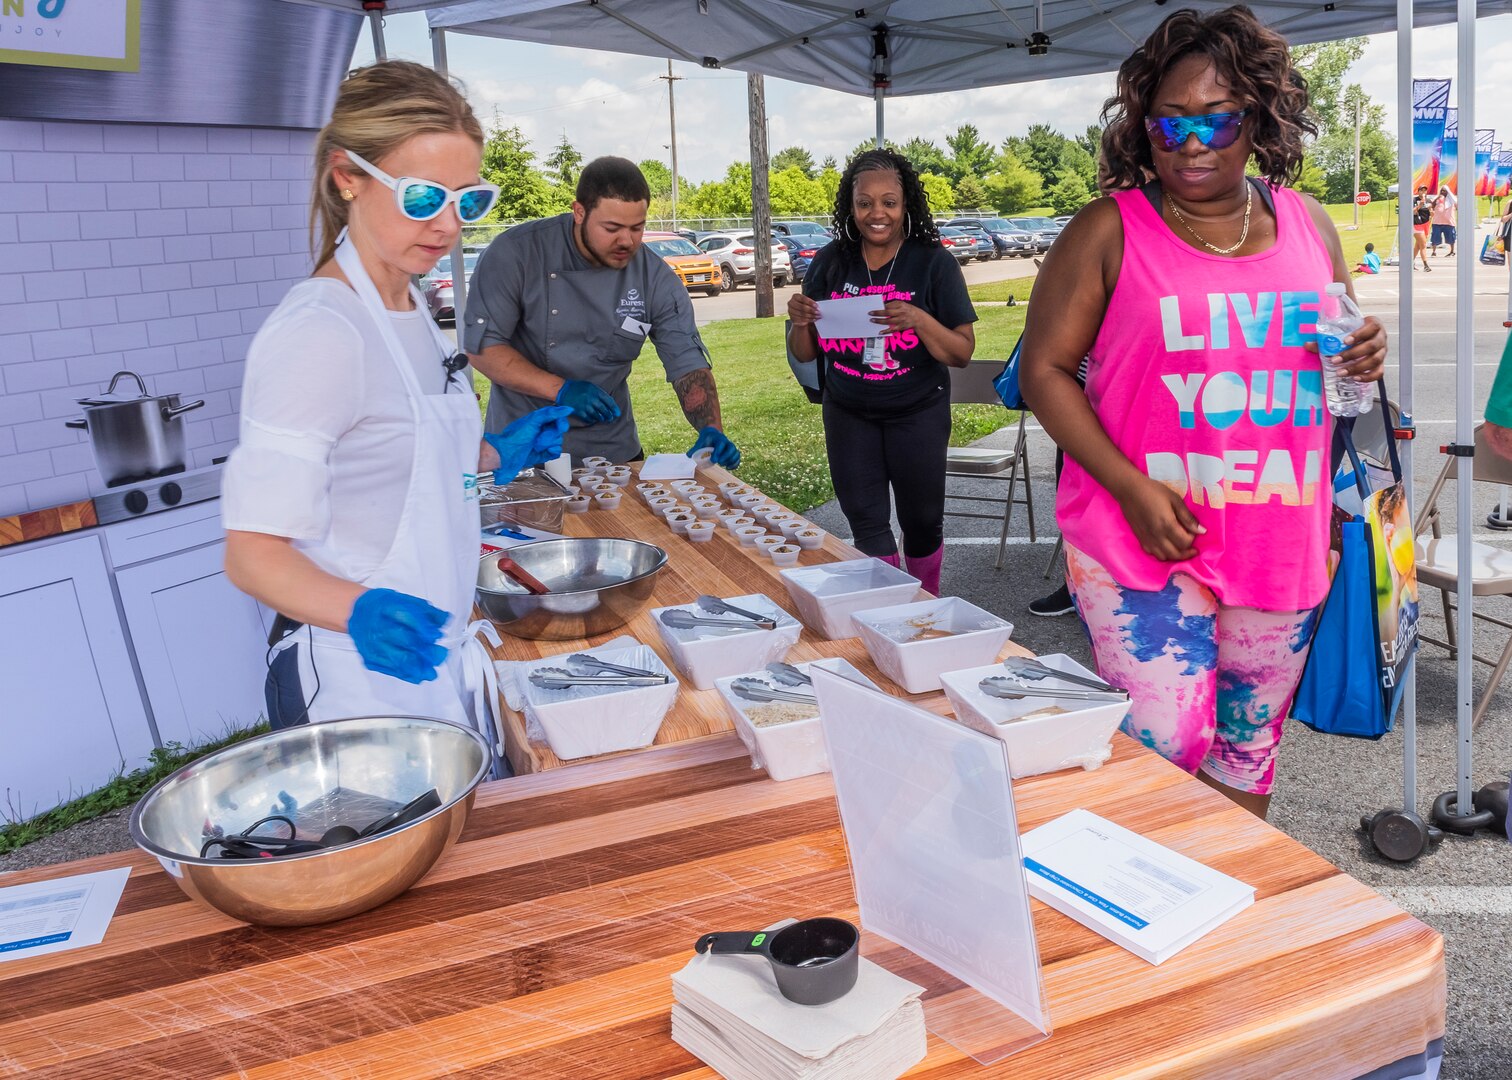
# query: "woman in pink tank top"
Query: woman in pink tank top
1196,495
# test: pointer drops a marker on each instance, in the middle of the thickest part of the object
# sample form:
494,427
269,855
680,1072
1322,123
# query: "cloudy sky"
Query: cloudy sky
609,104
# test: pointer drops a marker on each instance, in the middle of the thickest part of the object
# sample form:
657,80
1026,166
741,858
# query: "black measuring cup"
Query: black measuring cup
814,961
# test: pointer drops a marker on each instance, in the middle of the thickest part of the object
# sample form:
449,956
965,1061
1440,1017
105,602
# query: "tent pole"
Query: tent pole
375,22
761,202
459,269
1404,357
1464,414
877,93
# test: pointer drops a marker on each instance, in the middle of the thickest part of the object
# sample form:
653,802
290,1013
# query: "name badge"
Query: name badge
875,353
635,326
470,492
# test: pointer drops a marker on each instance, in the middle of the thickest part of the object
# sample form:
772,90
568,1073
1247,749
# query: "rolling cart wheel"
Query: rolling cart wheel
1447,817
1400,835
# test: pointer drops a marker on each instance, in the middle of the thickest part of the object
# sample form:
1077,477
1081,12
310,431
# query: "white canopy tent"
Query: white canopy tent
904,47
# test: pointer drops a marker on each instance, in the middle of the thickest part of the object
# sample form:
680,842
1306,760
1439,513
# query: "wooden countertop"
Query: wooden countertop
720,567
542,946
54,521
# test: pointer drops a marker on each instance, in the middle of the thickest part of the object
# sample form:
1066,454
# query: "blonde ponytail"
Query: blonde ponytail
379,107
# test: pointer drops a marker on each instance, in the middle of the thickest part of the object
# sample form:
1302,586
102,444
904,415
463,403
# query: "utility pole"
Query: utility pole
672,117
1353,195
761,207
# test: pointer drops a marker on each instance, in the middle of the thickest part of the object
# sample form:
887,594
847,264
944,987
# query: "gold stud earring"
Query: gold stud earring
346,193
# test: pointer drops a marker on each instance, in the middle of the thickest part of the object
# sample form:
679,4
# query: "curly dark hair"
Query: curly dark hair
1249,56
921,226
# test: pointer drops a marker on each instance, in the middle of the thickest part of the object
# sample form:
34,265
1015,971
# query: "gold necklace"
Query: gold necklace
1249,201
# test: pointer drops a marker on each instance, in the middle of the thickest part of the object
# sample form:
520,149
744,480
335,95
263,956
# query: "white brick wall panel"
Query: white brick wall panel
12,288
251,218
130,138
270,293
269,192
148,306
250,167
197,354
93,372
7,169
205,221
36,465
54,344
54,285
268,141
173,139
77,458
230,245
217,403
212,273
19,320
225,428
255,269
160,223
153,361
157,166
174,274
41,167
9,232
37,375
7,442
229,141
17,348
13,499
28,258
57,490
209,167
139,251
292,266
92,311
172,331
234,348
217,324
20,135
101,168
116,281
119,337
187,193
20,408
65,197
46,228
65,136
192,301
272,242
235,297
231,193
293,167
130,195
61,403
107,224
23,198
224,376
186,383
196,435
252,319
291,217
81,254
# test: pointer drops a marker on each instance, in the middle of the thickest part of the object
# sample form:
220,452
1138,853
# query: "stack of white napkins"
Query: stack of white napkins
728,1013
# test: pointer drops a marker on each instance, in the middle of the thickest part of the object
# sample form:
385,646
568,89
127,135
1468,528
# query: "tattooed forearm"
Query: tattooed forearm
699,399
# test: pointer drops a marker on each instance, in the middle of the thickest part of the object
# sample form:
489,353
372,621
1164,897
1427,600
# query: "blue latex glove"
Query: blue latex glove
591,403
726,453
530,440
397,634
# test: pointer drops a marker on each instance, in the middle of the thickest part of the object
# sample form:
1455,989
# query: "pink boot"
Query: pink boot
892,560
927,569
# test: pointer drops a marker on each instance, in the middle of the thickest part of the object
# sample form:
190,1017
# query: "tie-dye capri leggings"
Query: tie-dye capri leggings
1210,684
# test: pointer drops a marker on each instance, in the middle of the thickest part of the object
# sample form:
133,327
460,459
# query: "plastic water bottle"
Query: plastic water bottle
1337,319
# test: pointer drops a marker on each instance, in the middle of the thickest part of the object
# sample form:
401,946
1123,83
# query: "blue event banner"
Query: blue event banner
1485,139
1449,160
1430,108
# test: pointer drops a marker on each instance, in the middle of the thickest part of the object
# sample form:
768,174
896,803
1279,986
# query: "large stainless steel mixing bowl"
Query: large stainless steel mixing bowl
594,585
340,772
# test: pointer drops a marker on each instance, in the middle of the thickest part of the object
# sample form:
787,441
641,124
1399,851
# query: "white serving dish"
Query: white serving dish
1079,736
786,751
588,720
976,635
828,595
704,655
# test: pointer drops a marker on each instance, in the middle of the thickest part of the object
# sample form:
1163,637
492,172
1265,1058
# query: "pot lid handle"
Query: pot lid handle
109,398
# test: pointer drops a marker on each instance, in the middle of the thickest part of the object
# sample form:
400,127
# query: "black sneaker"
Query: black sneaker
1057,603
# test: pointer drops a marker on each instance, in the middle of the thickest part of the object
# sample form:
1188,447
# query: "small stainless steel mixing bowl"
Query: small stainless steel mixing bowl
338,772
594,585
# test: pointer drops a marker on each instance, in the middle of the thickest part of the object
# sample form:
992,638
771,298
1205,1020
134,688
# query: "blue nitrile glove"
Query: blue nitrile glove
726,453
588,401
530,440
397,634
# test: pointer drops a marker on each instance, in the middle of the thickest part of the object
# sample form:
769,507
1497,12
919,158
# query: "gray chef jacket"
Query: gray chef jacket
533,290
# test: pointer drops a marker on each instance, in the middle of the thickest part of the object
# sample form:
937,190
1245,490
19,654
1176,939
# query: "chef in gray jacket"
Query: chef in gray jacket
559,308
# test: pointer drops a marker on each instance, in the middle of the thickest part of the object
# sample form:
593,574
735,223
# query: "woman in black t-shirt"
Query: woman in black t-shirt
887,398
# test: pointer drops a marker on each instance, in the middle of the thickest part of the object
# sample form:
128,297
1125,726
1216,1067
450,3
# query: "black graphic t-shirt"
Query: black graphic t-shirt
905,375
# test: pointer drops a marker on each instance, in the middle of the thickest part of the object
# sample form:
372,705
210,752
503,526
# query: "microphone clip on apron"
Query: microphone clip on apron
434,556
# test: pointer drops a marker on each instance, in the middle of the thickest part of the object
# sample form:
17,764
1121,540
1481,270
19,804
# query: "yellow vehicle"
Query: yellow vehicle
696,270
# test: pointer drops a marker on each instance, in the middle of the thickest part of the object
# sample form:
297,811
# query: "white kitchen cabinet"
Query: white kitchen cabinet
200,644
71,713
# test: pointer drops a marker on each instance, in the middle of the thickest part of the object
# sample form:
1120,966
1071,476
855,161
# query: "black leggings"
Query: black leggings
870,454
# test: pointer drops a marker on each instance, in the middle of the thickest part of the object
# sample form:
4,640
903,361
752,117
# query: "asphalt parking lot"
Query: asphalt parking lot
1464,887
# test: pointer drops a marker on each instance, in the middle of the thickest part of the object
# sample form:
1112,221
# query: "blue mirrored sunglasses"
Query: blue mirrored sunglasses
421,200
1216,130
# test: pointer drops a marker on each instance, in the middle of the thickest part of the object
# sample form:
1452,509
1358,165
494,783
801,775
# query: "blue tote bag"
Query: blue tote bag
1352,684
1007,381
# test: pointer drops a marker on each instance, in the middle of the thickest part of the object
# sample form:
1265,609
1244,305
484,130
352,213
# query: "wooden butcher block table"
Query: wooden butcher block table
720,568
542,946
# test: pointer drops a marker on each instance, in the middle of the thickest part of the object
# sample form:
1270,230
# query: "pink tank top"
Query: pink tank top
1199,376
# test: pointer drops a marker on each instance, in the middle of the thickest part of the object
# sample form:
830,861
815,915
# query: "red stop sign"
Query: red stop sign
1363,198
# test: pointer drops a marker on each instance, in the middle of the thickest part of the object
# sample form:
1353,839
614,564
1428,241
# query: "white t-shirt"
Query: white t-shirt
327,437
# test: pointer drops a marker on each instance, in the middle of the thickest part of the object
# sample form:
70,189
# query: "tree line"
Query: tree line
965,171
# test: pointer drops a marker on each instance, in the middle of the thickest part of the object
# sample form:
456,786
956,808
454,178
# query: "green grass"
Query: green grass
120,792
779,433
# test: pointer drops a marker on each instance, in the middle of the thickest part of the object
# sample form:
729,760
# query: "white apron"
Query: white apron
434,556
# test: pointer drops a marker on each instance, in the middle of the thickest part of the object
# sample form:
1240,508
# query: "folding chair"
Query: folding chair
972,385
1490,568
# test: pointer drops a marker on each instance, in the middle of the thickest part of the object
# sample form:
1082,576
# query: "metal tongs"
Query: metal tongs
596,666
787,674
715,606
553,678
1022,668
756,690
1000,686
682,619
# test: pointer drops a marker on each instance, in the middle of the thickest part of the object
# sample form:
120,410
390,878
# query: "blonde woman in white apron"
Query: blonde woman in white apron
350,504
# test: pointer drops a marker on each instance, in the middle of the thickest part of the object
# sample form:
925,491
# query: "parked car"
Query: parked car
801,250
1008,239
994,249
1042,229
436,286
695,269
1063,220
959,243
735,252
802,229
690,235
